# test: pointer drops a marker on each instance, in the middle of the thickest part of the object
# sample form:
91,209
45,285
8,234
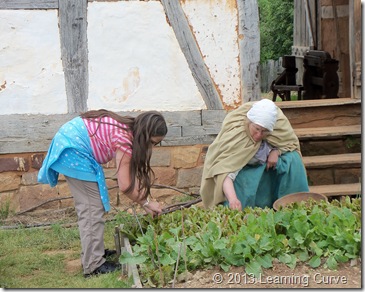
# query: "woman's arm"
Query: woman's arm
230,193
272,159
124,179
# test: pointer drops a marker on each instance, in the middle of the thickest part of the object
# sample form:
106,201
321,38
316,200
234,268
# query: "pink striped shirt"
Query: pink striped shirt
108,138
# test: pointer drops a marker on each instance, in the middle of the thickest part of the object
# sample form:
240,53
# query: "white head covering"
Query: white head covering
263,113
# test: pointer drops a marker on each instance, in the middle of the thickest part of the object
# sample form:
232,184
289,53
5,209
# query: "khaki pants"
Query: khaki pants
90,213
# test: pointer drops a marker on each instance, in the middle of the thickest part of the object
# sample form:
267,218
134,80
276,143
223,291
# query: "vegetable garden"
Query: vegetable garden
170,246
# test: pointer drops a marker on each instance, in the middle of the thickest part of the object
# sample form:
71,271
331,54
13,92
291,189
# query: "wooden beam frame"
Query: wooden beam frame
73,33
189,47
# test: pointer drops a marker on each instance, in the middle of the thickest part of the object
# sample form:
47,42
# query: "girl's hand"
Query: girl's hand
152,207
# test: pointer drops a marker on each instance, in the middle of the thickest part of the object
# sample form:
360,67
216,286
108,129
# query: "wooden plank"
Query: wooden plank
355,42
317,103
28,4
249,45
33,133
73,26
327,132
125,246
132,268
330,115
337,189
189,47
331,160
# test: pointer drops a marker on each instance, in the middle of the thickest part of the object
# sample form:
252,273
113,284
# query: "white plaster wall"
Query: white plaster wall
31,73
135,62
214,23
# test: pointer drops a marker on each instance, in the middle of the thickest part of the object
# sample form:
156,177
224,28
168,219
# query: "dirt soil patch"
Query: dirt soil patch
348,275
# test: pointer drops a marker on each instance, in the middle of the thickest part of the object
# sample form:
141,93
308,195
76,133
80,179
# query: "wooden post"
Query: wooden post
189,47
73,24
249,42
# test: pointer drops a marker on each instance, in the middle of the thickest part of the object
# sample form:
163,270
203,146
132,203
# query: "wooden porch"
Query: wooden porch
329,131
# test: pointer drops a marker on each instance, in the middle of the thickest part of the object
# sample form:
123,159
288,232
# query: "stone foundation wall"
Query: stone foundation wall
179,167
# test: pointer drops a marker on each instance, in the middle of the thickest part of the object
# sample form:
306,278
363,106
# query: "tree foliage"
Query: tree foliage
276,28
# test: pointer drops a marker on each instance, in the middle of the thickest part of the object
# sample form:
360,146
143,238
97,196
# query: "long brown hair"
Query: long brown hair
143,127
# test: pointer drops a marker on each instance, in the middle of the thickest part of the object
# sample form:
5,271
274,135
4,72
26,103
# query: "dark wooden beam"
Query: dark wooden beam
73,33
28,4
189,47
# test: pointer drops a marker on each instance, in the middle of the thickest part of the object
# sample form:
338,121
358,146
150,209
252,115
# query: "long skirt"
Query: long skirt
257,187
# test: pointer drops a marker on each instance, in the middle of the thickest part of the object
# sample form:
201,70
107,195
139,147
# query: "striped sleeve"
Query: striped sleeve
122,140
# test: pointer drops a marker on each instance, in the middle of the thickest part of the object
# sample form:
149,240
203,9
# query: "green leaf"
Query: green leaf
253,268
220,243
266,243
289,259
233,225
299,238
315,262
238,248
331,263
225,267
127,258
175,230
302,255
166,260
265,261
213,230
284,258
341,258
318,251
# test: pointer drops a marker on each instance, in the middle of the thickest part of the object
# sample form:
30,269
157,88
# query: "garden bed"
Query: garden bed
318,246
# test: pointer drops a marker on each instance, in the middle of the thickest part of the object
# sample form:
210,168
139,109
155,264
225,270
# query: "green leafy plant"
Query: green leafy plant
313,232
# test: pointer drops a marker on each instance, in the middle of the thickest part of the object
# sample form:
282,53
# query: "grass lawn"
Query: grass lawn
50,258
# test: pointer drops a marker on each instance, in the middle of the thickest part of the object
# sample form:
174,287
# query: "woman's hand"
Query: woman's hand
272,159
229,192
235,204
152,207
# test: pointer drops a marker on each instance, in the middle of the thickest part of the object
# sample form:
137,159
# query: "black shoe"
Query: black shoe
105,268
109,252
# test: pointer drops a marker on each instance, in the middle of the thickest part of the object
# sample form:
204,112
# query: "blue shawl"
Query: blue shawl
70,153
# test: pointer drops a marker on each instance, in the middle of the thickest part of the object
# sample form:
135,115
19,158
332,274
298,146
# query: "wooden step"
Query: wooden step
337,189
327,132
319,161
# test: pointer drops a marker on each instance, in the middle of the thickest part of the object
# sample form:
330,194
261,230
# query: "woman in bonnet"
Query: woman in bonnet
254,160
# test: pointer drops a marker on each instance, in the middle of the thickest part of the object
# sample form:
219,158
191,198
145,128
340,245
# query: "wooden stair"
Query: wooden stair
337,189
341,160
320,161
327,132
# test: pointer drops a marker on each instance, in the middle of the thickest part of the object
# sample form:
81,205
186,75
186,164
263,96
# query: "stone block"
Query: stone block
165,176
10,200
185,157
188,178
31,196
14,164
166,196
29,178
161,156
9,181
110,164
36,160
114,197
110,173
